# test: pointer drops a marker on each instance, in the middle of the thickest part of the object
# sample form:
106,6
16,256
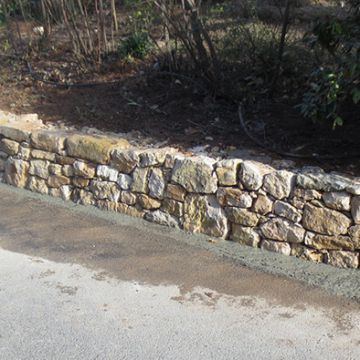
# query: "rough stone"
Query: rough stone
38,185
107,205
105,190
196,175
125,160
80,182
93,148
282,230
154,157
124,181
279,184
317,179
263,205
287,211
55,169
56,181
24,153
227,171
83,169
354,232
325,221
140,180
203,214
39,168
303,252
245,235
52,141
130,211
355,209
68,170
326,242
337,200
306,194
175,192
156,183
10,147
162,218
147,202
85,197
64,160
107,173
252,174
242,216
13,133
275,246
66,192
16,172
171,158
343,259
43,155
234,197
173,207
128,198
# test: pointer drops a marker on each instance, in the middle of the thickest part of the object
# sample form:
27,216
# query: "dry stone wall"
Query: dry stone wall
305,213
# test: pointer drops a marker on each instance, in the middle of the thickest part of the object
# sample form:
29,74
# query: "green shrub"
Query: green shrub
137,45
335,84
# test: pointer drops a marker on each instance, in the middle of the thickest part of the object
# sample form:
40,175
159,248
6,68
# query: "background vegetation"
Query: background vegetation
301,52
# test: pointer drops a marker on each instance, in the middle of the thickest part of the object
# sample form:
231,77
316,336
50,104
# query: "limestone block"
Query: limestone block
93,148
203,214
325,221
196,175
282,230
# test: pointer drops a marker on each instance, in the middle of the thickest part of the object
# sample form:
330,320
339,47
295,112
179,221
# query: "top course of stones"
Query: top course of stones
302,212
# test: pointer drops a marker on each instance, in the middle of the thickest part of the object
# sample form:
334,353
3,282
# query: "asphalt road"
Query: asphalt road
77,283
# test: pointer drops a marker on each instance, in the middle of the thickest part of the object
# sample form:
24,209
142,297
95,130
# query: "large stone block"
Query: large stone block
263,205
157,183
339,200
107,173
140,180
16,172
196,175
52,141
242,216
287,211
279,184
252,174
39,168
343,259
125,160
38,185
203,214
93,148
276,246
228,196
82,169
245,235
227,171
325,221
9,147
283,230
105,190
175,192
326,242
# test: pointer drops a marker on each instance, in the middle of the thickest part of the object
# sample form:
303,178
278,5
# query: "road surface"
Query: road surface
77,283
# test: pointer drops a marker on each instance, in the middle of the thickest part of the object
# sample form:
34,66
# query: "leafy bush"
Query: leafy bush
137,45
337,83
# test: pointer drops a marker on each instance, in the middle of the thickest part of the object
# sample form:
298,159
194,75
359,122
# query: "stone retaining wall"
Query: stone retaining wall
306,213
